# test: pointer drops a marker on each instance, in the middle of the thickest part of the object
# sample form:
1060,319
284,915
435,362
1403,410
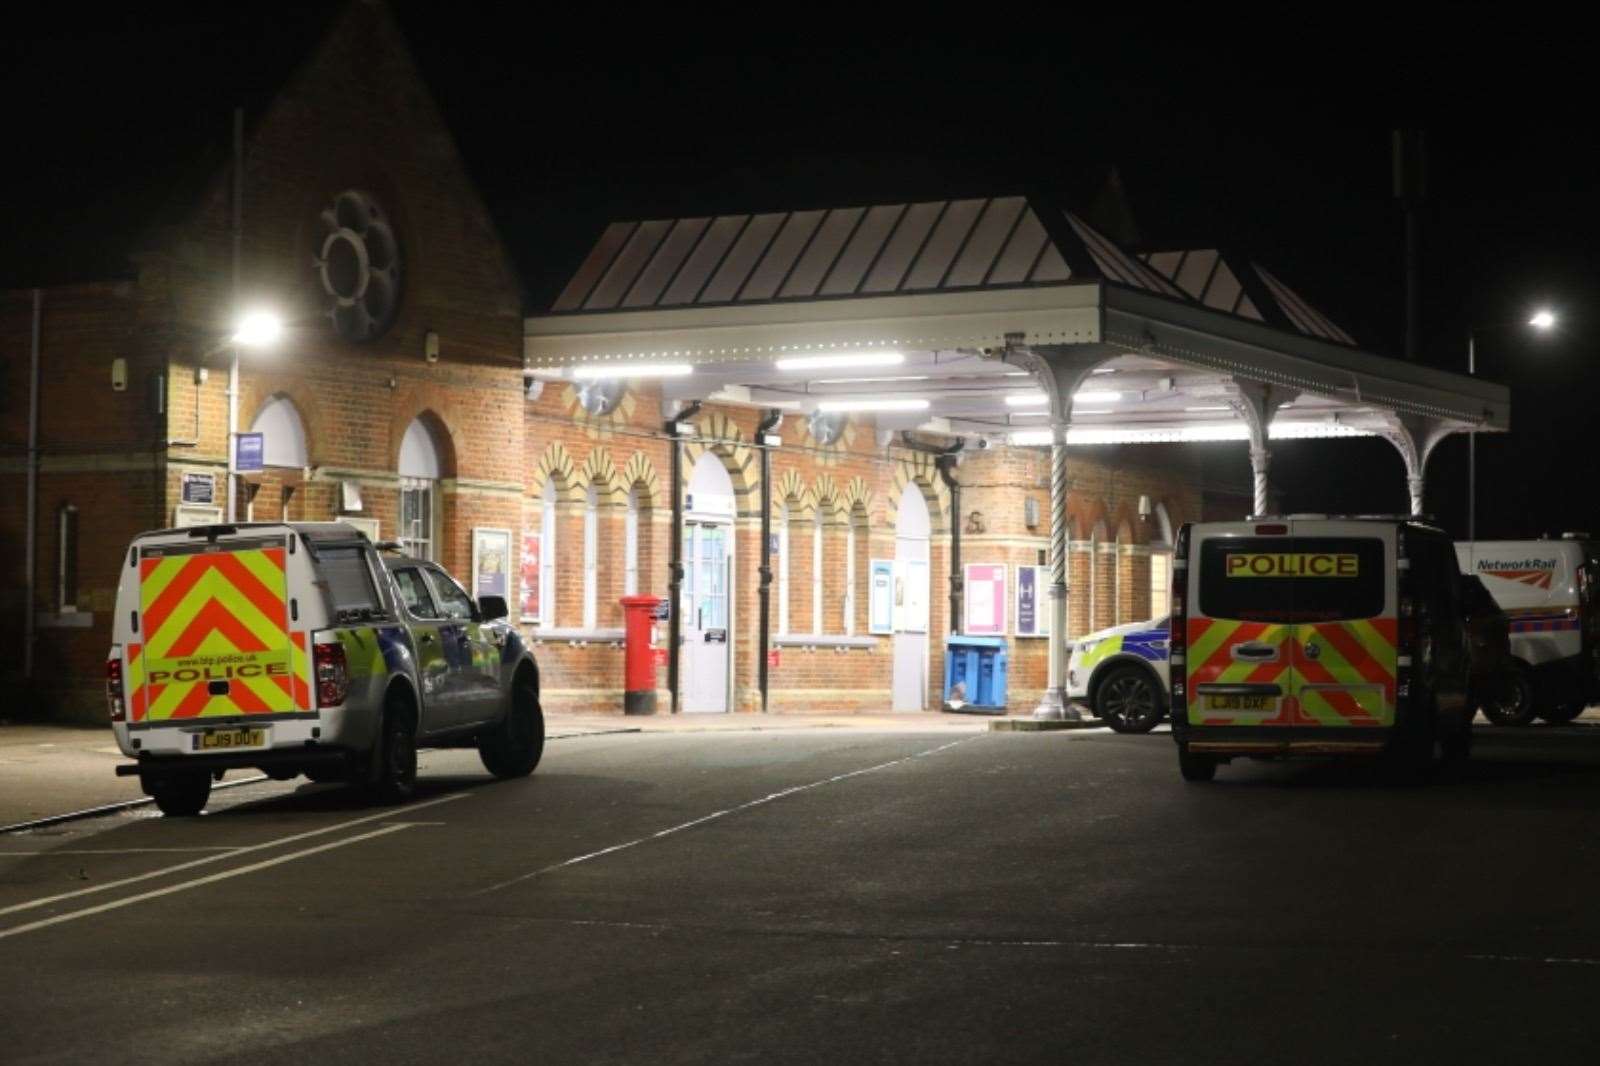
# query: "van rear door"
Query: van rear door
216,641
1293,628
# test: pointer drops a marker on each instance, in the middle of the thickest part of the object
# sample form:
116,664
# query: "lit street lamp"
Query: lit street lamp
258,330
1543,320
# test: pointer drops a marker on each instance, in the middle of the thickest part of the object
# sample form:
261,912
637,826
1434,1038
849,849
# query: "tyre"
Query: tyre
514,747
393,774
180,795
1511,703
1196,767
1562,713
1127,700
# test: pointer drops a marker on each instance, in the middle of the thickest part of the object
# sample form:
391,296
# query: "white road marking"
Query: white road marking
184,886
43,901
1552,961
123,851
713,816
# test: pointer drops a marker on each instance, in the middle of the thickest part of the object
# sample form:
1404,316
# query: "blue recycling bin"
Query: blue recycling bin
975,674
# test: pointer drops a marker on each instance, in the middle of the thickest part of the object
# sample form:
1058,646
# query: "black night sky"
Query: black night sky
1255,131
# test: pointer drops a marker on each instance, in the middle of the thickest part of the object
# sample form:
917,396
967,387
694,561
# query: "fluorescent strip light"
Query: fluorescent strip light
631,370
1096,397
830,406
1032,436
842,359
1206,408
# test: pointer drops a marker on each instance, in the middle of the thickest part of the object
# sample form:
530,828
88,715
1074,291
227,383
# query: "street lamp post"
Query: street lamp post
259,329
1543,320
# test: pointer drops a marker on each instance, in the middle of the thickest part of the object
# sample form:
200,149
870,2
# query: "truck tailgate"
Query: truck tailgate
216,637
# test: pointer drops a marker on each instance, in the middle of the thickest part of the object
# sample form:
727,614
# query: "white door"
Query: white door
910,686
705,616
706,604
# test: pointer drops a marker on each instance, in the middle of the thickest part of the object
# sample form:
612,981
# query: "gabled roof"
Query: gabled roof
876,250
1225,281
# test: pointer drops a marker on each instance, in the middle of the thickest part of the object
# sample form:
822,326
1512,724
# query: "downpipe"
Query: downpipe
675,556
768,424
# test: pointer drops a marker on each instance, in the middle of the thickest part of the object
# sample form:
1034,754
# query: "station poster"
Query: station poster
530,575
491,562
1033,601
985,595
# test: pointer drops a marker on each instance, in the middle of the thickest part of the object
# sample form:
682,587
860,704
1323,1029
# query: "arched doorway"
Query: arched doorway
706,598
284,457
912,531
420,470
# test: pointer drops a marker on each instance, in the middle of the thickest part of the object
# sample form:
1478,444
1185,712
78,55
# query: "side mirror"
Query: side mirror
492,608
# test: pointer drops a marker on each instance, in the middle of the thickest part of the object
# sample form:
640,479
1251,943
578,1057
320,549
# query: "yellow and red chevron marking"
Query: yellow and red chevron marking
218,616
1536,578
1349,681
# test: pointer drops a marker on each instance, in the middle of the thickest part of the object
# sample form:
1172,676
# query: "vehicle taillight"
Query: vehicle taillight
119,706
333,674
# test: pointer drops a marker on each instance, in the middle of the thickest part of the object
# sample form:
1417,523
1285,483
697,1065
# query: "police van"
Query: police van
1547,590
1317,635
1120,675
296,648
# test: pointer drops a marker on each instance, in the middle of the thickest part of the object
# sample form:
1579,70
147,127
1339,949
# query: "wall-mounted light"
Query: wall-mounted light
867,405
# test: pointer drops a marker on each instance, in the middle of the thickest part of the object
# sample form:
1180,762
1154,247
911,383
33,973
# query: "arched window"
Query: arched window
283,435
816,571
591,557
419,490
1161,564
783,568
630,545
850,577
547,554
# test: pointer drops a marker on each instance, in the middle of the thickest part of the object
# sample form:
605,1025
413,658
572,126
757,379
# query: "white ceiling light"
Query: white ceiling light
830,406
1206,408
1096,397
631,370
840,359
259,329
1039,399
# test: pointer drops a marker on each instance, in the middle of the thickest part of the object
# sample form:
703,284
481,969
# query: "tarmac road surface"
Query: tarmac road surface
829,896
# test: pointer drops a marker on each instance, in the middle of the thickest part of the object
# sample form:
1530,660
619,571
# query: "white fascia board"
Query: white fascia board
1200,337
1053,314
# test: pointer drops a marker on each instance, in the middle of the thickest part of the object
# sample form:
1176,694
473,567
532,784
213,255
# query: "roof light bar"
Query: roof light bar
631,370
840,359
870,405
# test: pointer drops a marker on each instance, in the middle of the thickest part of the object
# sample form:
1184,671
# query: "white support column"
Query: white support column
1260,461
1415,437
1256,403
1060,370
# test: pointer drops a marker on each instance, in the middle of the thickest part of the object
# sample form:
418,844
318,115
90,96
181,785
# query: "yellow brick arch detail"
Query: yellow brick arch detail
600,471
641,473
789,488
826,493
556,464
918,469
719,434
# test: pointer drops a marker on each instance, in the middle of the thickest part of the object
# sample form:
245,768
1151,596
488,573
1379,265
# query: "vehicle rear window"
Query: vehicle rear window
1291,579
349,581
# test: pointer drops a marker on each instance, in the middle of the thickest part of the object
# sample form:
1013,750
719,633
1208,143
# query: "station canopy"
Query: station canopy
916,312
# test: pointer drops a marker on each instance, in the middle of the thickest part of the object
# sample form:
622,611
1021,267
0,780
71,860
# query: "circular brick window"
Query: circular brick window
358,265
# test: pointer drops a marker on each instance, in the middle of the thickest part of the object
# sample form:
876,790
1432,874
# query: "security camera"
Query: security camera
983,444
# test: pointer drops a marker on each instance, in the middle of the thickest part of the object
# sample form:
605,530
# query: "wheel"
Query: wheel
1196,767
182,794
514,747
393,775
1127,700
1511,703
1562,713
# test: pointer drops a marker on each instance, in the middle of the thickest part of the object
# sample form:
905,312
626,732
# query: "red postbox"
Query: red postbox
639,665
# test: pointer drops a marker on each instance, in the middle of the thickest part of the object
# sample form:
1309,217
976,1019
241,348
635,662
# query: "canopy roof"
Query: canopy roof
1179,335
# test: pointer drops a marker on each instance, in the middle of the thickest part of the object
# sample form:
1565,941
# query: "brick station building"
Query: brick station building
401,398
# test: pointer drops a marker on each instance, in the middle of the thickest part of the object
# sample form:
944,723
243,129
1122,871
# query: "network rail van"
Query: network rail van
1547,590
298,648
1317,635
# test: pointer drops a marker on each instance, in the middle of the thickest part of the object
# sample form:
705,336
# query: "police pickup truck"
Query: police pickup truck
297,648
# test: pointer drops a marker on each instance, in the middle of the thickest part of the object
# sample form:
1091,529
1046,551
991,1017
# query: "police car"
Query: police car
1120,675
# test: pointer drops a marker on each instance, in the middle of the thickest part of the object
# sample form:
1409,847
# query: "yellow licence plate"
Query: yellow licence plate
222,739
1238,703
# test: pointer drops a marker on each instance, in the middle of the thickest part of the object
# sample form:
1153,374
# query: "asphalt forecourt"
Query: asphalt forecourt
821,896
